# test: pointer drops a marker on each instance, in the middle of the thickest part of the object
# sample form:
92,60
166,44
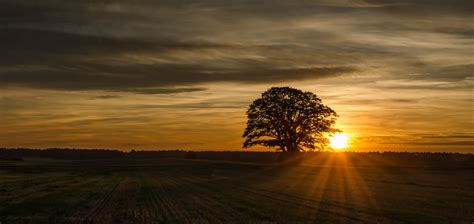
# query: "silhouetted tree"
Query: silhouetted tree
289,119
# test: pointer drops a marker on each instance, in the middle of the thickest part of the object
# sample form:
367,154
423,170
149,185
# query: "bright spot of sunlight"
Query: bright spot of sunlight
338,141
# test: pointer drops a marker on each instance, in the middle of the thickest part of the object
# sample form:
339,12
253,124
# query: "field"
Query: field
167,190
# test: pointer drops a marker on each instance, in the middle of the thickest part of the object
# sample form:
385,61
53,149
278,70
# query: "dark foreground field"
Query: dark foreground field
336,189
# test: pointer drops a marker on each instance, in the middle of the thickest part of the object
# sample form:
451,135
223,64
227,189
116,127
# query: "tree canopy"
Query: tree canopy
289,119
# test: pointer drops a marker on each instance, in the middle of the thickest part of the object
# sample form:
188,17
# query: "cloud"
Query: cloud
447,136
58,47
133,77
463,143
163,90
66,61
391,62
105,97
417,83
451,72
87,45
431,7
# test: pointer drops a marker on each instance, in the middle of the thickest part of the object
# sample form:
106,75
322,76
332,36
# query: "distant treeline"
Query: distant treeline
413,159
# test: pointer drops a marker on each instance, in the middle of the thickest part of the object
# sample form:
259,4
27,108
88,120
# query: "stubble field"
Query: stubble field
204,191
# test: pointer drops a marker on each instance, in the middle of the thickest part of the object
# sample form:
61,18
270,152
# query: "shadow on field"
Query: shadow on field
179,187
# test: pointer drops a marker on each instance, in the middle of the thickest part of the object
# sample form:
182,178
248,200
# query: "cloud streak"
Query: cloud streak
389,68
64,61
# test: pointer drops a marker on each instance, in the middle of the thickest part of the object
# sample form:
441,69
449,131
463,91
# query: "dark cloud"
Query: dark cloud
200,105
426,85
105,97
151,47
132,77
167,14
116,120
66,61
33,46
164,90
451,72
424,7
388,66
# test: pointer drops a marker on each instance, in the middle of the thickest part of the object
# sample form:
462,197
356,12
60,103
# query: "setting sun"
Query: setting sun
339,141
214,111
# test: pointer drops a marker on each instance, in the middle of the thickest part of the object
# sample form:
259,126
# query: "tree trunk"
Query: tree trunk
292,147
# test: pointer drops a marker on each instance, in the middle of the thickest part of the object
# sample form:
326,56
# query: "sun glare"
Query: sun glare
339,141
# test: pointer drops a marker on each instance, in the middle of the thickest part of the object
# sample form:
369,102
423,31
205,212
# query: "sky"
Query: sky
180,74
